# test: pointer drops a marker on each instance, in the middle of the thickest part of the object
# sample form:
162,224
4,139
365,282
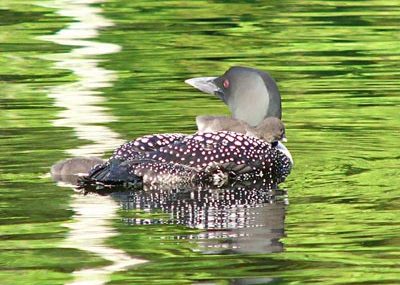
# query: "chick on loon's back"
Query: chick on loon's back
270,129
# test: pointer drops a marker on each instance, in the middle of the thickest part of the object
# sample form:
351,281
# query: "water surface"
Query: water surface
79,77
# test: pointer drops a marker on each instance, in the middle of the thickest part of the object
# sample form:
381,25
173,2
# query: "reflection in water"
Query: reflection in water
78,99
236,220
93,214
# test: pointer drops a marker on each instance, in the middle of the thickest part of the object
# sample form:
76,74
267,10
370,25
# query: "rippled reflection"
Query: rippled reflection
80,100
236,220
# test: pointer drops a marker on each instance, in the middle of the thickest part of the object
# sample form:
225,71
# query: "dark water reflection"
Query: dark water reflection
236,220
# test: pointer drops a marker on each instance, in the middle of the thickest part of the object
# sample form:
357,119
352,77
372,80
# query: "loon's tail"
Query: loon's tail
113,174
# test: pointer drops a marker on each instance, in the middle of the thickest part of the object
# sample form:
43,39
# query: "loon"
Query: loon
245,150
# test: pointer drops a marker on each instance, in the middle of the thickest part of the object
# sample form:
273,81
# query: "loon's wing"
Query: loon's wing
140,146
137,172
227,149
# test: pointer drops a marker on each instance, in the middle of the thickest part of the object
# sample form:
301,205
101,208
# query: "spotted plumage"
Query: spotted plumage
244,148
211,158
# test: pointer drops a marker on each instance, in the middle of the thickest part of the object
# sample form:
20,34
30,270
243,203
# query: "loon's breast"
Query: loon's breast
214,157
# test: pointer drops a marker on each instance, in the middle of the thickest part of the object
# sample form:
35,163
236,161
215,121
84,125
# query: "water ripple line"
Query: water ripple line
80,100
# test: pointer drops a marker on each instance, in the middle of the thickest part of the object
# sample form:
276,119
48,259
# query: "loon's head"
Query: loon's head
250,94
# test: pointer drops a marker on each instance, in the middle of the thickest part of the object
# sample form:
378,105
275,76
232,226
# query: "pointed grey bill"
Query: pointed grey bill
206,85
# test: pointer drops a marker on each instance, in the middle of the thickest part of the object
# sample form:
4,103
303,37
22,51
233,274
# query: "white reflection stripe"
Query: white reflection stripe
81,111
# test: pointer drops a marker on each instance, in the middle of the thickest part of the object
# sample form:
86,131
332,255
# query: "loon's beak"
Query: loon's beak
284,138
206,85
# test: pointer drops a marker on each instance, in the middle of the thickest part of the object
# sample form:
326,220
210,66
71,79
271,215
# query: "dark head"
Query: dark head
270,130
250,94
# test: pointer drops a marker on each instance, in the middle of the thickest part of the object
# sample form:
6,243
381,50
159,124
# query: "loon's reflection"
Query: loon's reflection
235,220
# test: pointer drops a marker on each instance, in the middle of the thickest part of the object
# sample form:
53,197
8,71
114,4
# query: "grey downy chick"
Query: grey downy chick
220,123
270,129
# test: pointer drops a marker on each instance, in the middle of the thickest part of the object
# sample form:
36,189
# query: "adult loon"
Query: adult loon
219,157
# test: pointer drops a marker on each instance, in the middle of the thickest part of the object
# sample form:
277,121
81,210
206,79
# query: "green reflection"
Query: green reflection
336,63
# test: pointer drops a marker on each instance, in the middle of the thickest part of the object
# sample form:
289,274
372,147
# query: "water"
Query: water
79,77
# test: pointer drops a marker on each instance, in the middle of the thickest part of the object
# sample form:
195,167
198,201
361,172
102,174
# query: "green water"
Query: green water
78,79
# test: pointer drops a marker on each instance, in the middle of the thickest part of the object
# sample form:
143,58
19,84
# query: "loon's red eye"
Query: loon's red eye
226,83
